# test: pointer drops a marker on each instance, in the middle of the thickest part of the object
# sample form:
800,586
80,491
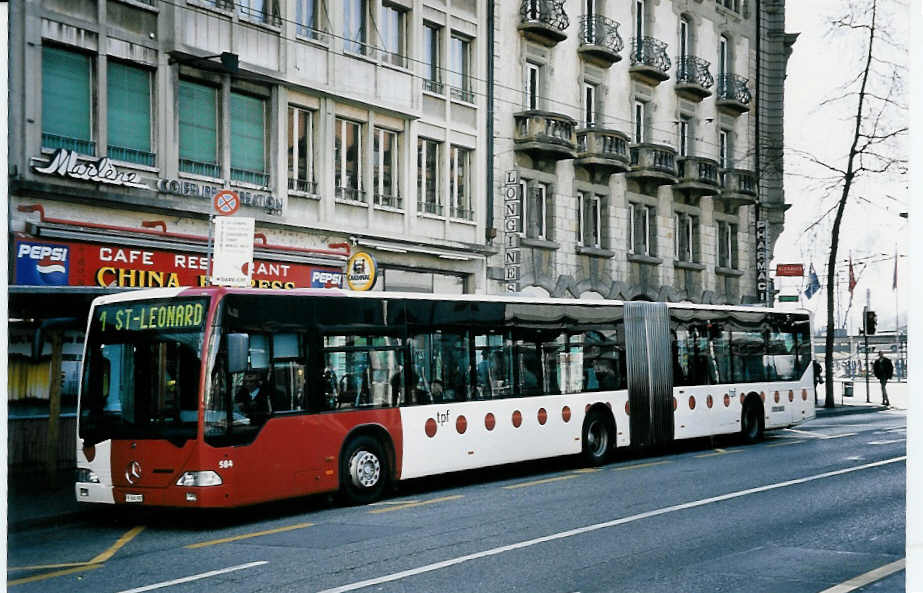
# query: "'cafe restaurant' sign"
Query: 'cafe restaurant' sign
71,263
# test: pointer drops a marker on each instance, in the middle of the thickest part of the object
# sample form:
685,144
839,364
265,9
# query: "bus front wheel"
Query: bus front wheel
597,431
364,470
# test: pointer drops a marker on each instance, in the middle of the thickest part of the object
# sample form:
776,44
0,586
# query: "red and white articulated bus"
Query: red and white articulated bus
218,397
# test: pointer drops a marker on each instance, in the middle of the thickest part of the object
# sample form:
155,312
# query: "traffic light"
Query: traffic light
871,319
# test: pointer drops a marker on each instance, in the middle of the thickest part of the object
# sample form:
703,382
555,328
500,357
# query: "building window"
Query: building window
258,11
533,85
67,99
685,130
460,183
387,190
129,114
535,206
722,55
198,129
248,139
307,21
354,25
460,69
589,105
348,158
639,121
686,237
428,177
684,27
723,149
641,229
639,25
432,81
392,35
729,4
301,150
589,219
727,245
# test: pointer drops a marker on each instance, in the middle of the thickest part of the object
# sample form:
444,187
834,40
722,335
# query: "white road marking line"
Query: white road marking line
195,577
598,526
869,577
886,442
822,436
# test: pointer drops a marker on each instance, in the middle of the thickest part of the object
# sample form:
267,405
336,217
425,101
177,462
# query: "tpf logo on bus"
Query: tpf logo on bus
39,264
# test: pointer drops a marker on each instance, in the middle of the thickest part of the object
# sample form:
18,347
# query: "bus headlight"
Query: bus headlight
85,475
203,478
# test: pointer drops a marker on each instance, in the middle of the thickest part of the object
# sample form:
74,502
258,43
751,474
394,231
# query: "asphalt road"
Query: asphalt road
804,511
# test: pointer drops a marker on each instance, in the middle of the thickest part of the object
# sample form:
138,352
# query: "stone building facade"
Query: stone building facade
632,130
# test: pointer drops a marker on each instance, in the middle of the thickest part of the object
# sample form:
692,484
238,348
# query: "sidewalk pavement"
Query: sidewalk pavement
33,504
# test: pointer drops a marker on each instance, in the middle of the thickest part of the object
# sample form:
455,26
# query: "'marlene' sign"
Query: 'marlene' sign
66,164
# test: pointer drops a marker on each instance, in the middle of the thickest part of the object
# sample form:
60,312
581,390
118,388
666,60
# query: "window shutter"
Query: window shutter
198,126
129,111
248,134
66,93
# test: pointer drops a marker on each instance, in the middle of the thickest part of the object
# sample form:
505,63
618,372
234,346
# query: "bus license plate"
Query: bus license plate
134,498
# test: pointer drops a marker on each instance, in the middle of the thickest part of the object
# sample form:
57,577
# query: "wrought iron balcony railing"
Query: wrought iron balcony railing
598,30
462,213
131,155
694,70
200,168
546,12
78,145
351,194
433,86
732,87
647,51
430,208
388,201
248,176
302,185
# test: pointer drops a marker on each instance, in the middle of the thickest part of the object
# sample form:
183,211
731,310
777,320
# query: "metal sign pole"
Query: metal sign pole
211,232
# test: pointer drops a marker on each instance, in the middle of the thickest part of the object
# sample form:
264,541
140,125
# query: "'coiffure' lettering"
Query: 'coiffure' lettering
178,187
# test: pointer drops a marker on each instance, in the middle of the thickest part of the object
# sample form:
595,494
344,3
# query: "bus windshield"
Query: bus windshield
141,373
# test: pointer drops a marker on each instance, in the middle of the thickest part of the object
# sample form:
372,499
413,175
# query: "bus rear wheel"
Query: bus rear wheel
751,422
364,470
597,431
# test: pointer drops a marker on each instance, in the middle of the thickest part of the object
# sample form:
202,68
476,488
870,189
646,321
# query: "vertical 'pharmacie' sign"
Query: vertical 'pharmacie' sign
512,227
762,262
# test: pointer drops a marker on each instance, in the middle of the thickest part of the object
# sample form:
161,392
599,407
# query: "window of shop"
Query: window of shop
387,190
301,150
129,114
348,160
432,81
198,129
460,69
392,35
67,99
461,185
248,139
428,199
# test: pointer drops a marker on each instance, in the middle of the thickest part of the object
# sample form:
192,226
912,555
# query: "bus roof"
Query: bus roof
160,293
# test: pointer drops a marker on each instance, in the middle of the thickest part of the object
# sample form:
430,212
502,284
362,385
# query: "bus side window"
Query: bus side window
493,366
288,372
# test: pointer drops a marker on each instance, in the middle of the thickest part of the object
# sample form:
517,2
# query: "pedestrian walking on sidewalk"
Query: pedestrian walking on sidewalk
883,370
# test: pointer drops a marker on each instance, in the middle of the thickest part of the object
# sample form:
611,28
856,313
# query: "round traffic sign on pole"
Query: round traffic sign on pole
226,202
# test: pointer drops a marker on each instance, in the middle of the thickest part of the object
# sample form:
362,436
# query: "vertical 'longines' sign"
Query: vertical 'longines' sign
512,226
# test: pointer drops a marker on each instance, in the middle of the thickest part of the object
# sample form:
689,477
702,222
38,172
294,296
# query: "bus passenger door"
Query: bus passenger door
650,373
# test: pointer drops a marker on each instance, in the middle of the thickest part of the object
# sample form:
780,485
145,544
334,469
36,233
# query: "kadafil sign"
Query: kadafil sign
233,263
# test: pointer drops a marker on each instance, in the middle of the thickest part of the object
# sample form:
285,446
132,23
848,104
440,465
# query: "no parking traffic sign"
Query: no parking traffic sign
226,202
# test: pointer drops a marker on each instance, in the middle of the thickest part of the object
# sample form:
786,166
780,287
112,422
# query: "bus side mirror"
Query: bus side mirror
238,349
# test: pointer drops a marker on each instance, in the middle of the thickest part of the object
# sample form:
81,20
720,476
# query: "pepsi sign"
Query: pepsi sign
325,279
40,264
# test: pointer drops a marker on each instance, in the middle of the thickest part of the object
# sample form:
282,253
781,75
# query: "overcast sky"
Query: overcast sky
822,61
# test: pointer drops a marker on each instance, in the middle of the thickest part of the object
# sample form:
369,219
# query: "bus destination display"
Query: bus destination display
134,316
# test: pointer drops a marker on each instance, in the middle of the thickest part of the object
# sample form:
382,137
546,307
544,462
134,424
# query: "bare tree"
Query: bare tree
877,125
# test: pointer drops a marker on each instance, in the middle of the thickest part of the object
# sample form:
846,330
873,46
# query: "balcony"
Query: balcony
545,135
602,152
79,145
653,163
543,21
600,42
733,94
698,176
649,60
693,80
738,187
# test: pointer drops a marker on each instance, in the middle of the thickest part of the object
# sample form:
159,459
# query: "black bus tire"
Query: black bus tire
364,470
597,438
751,422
